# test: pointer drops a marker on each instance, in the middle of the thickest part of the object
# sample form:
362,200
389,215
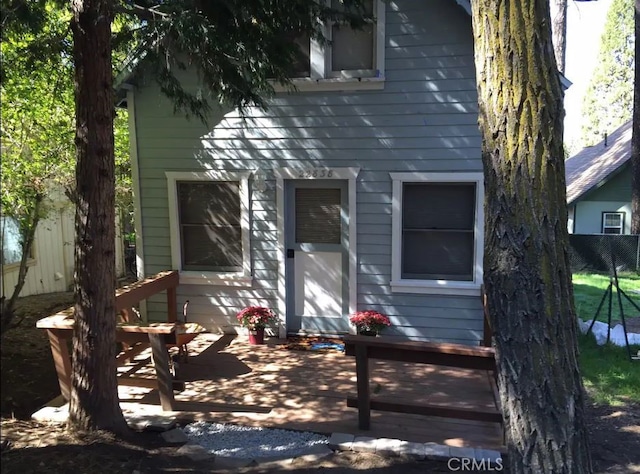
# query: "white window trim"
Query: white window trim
31,261
435,287
242,278
604,219
322,78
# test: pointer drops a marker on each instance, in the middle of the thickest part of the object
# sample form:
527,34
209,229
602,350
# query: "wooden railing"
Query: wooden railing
451,355
135,335
126,298
129,296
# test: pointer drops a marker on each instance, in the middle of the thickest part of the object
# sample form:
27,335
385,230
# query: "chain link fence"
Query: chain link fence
592,253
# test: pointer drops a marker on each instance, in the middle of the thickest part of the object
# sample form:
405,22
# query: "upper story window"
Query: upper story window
437,233
613,223
352,59
209,221
352,51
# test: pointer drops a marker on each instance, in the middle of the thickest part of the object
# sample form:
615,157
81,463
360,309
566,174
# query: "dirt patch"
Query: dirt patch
29,381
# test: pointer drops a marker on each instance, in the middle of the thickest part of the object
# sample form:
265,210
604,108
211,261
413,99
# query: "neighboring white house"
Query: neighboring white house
52,258
599,186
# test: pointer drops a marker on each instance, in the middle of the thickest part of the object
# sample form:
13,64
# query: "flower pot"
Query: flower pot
367,332
256,336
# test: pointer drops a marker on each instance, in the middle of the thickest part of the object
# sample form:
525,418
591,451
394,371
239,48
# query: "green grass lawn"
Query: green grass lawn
608,374
588,291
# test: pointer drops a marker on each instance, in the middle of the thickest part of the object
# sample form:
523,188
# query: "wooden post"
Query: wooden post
163,374
61,359
364,395
487,334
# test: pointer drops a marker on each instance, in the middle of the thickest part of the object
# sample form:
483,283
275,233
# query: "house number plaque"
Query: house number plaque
316,173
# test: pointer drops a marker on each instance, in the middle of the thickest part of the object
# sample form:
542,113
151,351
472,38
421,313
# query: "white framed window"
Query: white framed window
437,237
12,243
209,223
352,59
613,223
352,52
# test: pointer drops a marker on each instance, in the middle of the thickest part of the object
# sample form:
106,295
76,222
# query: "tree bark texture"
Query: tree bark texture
94,400
635,134
526,269
559,31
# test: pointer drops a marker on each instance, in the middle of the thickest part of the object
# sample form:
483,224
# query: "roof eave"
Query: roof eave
616,171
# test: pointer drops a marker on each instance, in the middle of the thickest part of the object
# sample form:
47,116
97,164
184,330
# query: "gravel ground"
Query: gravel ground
251,442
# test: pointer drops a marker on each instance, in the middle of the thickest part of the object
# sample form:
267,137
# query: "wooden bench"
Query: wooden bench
450,355
134,335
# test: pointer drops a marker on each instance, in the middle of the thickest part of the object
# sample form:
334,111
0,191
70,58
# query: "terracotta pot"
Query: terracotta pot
256,336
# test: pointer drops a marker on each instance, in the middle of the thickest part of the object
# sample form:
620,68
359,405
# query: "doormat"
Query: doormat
313,343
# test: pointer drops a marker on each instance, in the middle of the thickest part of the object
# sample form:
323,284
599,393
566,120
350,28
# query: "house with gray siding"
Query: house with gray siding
361,190
599,186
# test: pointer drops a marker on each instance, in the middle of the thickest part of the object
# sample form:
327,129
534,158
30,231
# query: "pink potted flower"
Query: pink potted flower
256,319
369,322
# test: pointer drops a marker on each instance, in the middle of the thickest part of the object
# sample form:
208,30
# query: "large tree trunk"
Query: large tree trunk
635,136
94,399
526,269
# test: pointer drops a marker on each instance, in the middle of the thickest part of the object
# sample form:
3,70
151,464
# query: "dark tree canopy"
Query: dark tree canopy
239,48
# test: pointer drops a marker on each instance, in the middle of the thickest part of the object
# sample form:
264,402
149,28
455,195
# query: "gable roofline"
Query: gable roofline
593,166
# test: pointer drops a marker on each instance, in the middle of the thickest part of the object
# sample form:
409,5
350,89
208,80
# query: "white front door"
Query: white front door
317,259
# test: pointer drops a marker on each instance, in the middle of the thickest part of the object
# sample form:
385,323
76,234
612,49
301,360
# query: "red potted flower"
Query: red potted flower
369,322
256,319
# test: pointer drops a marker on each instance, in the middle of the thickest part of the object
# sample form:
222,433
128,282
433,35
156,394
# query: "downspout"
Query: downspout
135,182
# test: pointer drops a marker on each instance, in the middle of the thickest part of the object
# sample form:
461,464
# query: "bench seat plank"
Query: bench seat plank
452,355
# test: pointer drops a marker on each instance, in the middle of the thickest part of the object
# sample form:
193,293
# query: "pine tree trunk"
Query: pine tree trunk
526,269
94,400
635,136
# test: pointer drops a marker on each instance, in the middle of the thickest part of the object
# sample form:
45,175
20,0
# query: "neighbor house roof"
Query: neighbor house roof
594,165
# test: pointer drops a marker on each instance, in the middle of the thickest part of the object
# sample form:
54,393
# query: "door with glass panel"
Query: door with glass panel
317,256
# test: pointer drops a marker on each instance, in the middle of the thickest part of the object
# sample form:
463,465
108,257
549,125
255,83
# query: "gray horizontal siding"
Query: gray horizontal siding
446,109
425,119
280,131
396,123
616,189
302,143
374,218
460,159
365,258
